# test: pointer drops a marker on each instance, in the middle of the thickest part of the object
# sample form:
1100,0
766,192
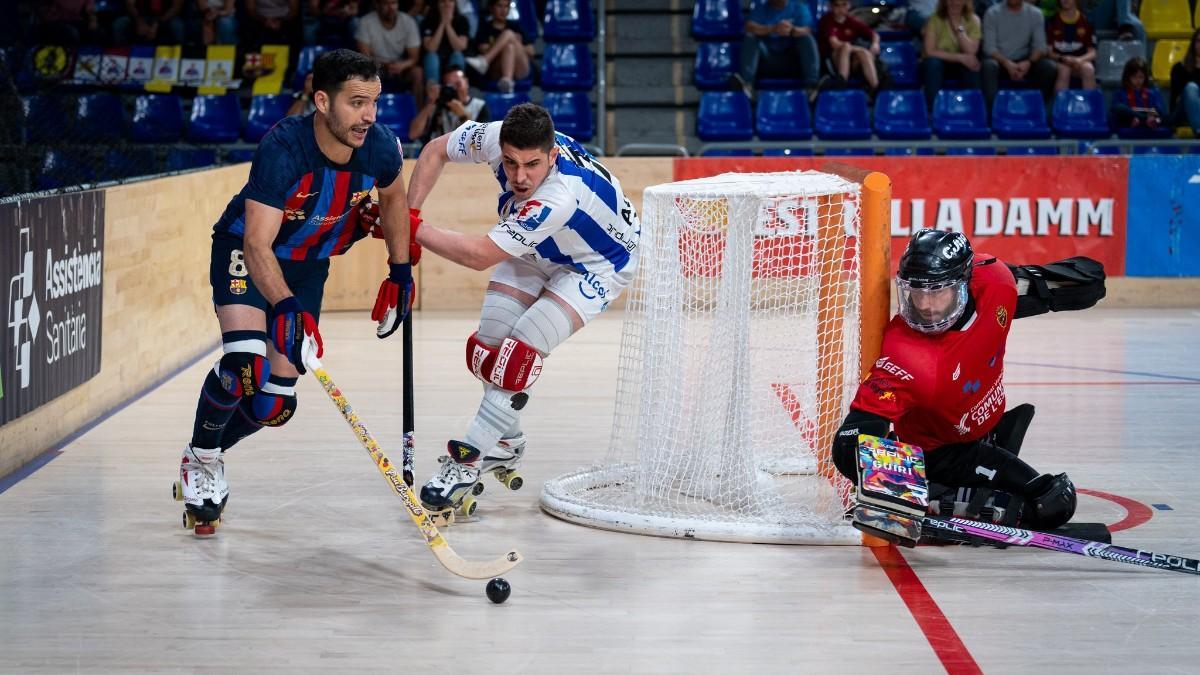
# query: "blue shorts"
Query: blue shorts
232,285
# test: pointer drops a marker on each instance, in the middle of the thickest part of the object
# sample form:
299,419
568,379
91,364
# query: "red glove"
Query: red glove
368,220
414,224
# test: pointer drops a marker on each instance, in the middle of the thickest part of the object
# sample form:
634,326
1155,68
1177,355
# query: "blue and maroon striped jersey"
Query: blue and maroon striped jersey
315,194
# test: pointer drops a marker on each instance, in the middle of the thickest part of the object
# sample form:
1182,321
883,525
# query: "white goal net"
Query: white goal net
739,357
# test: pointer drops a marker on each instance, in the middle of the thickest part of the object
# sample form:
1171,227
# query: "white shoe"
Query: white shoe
505,455
505,85
478,63
202,482
454,480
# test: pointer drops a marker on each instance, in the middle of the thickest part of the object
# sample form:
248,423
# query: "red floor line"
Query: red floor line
1136,513
938,631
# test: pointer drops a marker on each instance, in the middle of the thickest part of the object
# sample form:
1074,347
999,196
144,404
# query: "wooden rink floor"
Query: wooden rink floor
318,569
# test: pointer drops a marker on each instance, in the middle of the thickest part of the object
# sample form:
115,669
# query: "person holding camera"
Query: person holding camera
447,106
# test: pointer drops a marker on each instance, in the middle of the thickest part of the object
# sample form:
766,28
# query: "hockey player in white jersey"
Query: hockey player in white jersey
564,247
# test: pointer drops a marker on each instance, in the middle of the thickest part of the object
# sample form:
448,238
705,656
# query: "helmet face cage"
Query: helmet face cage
944,302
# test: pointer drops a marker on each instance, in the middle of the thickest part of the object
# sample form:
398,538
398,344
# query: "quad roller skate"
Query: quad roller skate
202,489
453,491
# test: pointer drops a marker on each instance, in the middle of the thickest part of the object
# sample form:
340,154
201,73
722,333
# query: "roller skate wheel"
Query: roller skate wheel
477,490
206,529
514,481
177,491
467,507
189,521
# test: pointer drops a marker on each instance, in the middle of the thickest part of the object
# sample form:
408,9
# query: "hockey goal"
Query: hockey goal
759,299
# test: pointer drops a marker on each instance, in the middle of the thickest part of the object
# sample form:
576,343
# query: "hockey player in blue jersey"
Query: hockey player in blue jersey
564,247
270,259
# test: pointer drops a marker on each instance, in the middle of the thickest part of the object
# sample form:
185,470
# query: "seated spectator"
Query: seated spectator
444,38
1014,49
504,51
1135,104
1185,87
1115,15
150,21
68,22
214,22
848,44
917,14
393,39
1072,44
272,22
951,44
779,42
331,22
446,107
302,103
418,11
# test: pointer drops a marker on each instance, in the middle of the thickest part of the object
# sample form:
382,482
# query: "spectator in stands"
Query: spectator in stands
1185,86
302,103
504,51
68,22
214,22
393,39
447,107
1115,15
779,42
1014,48
951,45
418,10
1072,44
1135,105
331,22
848,44
272,22
150,21
444,38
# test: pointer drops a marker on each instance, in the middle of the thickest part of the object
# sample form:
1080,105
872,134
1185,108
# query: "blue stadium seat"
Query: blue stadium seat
1019,113
567,66
844,152
787,152
901,115
1080,113
717,20
572,113
304,63
908,152
498,104
1163,131
783,116
724,116
715,62
568,21
842,115
972,150
45,119
901,60
240,155
127,162
215,119
265,111
396,112
728,152
524,12
63,168
100,117
182,159
157,118
960,113
1035,150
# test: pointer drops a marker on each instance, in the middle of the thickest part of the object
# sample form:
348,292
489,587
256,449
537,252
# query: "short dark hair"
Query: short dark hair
332,69
528,126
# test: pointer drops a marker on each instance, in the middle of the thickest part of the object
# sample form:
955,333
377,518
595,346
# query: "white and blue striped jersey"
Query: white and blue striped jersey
577,217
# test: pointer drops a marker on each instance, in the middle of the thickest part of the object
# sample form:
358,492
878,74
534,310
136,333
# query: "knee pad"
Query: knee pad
513,366
1010,432
480,358
243,374
1049,502
275,404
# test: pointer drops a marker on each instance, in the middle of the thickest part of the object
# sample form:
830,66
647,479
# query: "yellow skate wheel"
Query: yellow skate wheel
189,521
477,490
514,481
467,507
177,491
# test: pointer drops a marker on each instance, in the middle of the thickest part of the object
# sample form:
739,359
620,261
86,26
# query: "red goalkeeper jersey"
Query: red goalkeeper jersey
947,388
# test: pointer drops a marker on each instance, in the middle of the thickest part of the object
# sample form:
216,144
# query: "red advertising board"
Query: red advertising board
1020,209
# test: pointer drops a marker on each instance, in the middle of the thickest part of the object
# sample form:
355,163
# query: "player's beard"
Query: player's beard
342,132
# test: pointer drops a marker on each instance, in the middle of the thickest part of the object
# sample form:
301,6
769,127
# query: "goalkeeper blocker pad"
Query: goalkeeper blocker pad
1070,284
892,493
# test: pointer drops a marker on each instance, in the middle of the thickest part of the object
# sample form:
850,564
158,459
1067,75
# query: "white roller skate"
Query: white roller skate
202,489
502,462
452,488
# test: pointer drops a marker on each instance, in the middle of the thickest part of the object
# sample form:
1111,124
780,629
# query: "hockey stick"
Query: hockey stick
409,439
1053,542
434,539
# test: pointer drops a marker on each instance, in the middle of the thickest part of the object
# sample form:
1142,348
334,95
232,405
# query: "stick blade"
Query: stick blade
478,569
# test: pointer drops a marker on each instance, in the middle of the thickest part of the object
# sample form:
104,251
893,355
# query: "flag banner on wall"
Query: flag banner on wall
51,256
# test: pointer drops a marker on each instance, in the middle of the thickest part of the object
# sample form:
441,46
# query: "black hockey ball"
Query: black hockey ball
498,590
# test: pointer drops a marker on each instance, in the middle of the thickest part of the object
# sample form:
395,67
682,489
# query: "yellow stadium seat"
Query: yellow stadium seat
1167,18
1166,54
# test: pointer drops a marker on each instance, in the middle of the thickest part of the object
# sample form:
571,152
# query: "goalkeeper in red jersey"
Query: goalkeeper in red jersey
938,382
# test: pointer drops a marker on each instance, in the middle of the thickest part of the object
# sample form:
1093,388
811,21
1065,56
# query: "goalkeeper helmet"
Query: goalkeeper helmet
931,283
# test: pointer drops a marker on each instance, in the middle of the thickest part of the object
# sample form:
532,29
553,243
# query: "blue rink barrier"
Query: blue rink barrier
1163,233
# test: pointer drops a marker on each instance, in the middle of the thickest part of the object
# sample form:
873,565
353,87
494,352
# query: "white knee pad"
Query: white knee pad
499,314
544,326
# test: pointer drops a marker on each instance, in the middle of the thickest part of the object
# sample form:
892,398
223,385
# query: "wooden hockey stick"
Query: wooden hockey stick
434,539
409,438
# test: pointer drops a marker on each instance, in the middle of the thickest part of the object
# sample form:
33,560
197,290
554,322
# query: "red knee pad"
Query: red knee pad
517,366
480,358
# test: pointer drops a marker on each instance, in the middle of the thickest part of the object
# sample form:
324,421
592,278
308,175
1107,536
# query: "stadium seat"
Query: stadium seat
157,118
845,152
1019,113
1111,57
265,111
972,150
215,119
240,155
1166,54
45,119
728,152
901,60
901,115
1018,150
572,113
960,113
787,152
182,159
1080,113
568,21
1166,19
724,116
100,118
715,62
567,66
396,112
783,115
304,64
64,168
128,162
842,115
717,20
1163,131
524,12
498,104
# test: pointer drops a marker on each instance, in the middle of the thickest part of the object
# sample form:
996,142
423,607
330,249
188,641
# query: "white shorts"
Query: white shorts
588,294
